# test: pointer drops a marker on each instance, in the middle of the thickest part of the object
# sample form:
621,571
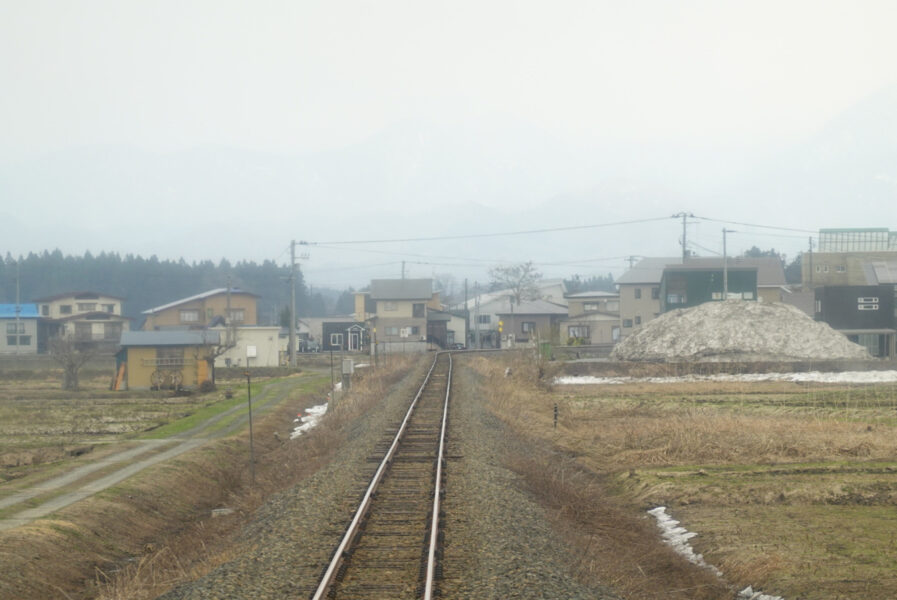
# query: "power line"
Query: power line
754,225
485,235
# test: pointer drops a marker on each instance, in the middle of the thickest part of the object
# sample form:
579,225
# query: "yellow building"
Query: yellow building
204,310
166,359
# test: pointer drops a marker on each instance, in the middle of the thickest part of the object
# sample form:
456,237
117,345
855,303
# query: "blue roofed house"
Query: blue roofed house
20,324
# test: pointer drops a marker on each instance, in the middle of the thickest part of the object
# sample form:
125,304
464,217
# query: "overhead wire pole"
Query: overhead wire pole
726,265
293,304
684,216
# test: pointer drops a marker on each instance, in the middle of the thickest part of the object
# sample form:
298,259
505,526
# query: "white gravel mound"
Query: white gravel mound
736,330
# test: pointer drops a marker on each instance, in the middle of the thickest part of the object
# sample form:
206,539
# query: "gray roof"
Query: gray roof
401,289
535,307
171,337
593,294
648,270
880,272
770,272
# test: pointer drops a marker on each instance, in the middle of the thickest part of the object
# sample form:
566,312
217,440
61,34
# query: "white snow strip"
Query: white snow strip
807,377
311,418
677,537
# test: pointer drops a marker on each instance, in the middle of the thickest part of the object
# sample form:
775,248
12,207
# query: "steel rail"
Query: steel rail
339,555
434,524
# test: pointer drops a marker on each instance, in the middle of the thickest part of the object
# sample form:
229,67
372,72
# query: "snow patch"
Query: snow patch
807,377
312,417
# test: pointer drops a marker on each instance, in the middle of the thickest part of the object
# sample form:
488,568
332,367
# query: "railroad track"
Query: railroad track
391,548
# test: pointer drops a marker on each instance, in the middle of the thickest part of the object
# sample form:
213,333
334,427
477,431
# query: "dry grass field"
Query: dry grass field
792,488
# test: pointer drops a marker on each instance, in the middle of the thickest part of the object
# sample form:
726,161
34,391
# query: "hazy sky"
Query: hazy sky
293,76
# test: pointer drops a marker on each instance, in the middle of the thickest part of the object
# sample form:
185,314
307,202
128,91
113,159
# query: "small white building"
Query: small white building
254,346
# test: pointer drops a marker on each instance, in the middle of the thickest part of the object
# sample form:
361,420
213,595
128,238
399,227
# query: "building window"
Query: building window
627,322
818,269
655,293
680,298
528,326
190,316
638,293
638,320
11,340
390,305
336,339
11,327
45,310
65,309
590,306
612,306
414,330
83,332
579,331
825,268
236,315
87,306
484,319
417,310
391,330
840,268
109,308
24,340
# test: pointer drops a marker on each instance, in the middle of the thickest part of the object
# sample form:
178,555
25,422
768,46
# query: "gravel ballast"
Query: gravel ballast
499,543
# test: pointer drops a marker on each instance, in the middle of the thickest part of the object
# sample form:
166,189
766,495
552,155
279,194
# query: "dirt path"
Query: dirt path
86,480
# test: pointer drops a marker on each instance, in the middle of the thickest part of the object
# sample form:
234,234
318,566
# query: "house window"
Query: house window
390,305
638,320
86,306
627,322
655,293
170,356
391,330
65,309
638,293
578,331
190,316
528,326
11,340
415,330
83,332
825,268
417,310
112,331
24,340
590,306
840,268
11,327
818,269
612,306
336,339
680,298
236,315
484,319
45,310
109,308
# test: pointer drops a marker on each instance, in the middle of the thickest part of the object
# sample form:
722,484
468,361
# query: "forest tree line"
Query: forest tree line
147,282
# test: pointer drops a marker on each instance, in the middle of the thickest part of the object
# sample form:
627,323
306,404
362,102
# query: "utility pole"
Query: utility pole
292,341
18,305
631,260
726,265
227,334
810,266
403,269
684,216
476,315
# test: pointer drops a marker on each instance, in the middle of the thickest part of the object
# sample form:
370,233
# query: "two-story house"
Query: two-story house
20,324
84,316
592,318
395,311
207,309
843,256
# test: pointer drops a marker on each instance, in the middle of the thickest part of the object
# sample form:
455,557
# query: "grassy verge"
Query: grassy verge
790,487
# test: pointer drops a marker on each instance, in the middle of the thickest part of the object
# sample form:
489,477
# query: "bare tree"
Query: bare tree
522,280
71,355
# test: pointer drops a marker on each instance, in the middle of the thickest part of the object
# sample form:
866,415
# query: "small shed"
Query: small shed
166,359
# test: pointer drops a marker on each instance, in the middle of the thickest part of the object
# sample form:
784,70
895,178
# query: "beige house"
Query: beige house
204,310
531,322
844,254
84,316
593,318
395,312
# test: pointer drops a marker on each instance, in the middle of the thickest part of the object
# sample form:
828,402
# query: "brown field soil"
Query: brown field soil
156,529
791,488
